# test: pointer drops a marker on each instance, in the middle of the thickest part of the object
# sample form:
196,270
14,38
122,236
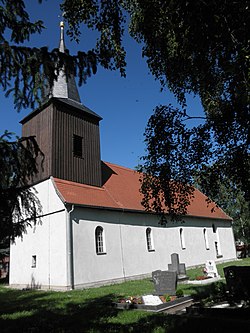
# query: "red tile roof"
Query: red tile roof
121,191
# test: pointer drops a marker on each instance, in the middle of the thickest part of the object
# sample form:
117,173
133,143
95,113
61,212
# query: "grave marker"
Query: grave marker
177,267
151,300
165,282
238,282
210,269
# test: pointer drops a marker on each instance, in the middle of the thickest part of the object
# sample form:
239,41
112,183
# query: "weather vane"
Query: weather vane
62,19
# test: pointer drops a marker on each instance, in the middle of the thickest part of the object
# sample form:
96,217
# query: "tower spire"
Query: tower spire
62,42
64,87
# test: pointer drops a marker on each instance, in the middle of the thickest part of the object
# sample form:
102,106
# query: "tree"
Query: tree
19,205
231,199
199,47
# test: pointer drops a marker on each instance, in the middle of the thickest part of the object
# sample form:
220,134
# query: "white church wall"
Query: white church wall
127,255
126,252
45,241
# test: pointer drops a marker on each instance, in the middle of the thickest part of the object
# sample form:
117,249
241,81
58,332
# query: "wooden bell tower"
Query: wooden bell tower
67,132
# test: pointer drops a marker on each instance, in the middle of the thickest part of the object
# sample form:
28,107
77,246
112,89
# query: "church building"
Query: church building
93,229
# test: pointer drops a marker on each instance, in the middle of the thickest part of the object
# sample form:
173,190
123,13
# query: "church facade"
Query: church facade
93,228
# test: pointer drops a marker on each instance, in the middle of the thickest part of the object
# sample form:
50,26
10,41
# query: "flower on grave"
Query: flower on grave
131,300
167,298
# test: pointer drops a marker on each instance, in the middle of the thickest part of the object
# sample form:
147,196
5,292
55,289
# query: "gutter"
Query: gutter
69,238
129,210
69,242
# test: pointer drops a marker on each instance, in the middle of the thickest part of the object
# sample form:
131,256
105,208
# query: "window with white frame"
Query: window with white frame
182,239
149,237
33,262
206,238
216,249
99,240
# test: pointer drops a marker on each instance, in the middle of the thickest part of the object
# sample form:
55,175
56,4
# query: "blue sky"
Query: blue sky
125,104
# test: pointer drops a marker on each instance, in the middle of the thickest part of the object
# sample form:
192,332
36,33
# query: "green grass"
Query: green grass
198,271
91,310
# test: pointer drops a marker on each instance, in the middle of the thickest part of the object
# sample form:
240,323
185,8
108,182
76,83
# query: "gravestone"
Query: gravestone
165,282
238,282
211,269
175,266
151,300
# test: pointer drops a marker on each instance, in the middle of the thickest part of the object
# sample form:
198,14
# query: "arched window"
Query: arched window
182,239
99,240
206,239
149,238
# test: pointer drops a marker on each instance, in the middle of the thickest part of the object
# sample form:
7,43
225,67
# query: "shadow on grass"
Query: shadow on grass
37,311
216,291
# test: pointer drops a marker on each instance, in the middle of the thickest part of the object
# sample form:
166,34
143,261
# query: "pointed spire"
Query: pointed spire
64,87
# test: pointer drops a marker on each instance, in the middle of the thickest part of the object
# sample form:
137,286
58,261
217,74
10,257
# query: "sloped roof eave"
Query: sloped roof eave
138,211
121,191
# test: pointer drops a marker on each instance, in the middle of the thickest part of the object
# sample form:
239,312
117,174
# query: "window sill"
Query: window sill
219,256
101,253
151,250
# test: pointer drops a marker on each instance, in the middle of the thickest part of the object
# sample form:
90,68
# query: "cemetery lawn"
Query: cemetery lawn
193,273
91,310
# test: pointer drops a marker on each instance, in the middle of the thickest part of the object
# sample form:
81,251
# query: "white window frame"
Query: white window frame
100,240
206,239
33,261
218,247
149,240
182,239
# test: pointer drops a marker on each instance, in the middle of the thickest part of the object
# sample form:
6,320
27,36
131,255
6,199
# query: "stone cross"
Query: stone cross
176,266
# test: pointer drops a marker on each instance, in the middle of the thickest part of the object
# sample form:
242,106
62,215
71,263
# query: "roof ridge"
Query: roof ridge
71,182
121,167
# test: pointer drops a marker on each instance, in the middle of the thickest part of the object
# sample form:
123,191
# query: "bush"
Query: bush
179,293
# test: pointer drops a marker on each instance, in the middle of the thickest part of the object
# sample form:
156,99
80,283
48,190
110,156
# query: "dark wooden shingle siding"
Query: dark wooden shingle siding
65,165
54,127
41,127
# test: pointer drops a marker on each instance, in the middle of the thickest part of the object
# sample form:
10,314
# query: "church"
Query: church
94,230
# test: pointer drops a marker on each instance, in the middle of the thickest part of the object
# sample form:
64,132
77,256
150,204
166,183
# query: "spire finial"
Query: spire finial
62,44
64,87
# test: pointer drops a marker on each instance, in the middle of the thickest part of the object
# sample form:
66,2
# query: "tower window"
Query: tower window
77,145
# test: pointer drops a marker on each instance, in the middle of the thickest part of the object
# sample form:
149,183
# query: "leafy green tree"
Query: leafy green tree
19,205
231,199
177,156
199,47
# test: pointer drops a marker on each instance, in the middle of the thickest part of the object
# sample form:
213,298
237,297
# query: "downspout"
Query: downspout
69,238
